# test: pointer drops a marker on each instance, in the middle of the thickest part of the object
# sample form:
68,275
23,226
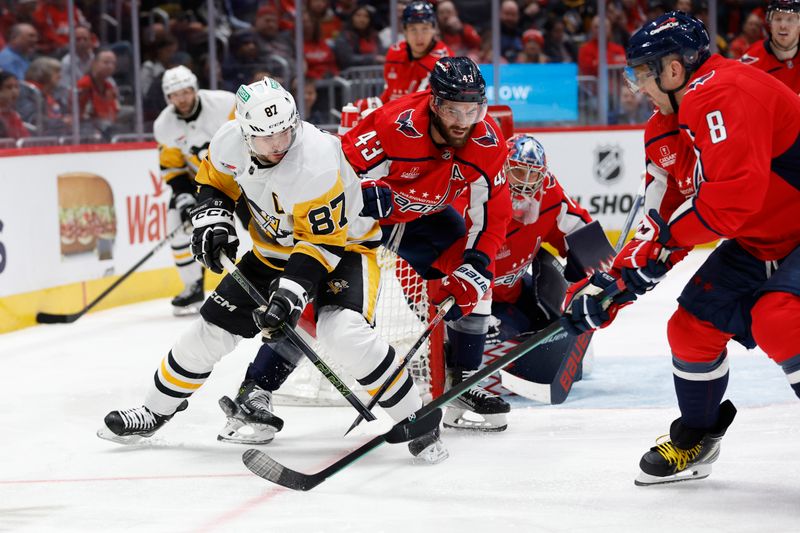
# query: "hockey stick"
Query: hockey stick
443,309
53,318
298,341
637,204
267,468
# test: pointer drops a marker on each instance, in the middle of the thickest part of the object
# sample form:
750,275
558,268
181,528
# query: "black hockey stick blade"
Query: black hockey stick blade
50,318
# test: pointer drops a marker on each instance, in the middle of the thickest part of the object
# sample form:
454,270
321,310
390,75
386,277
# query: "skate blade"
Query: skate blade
237,432
454,419
690,474
189,310
432,455
106,434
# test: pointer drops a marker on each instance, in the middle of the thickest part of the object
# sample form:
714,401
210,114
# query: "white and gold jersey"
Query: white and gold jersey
183,143
307,203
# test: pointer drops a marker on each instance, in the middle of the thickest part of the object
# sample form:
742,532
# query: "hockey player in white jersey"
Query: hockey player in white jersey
309,242
183,130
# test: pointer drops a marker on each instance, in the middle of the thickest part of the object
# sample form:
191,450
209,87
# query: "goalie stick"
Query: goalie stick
298,341
443,309
55,318
268,468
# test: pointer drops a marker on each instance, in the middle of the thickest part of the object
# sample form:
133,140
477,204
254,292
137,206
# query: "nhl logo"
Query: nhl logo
447,154
608,163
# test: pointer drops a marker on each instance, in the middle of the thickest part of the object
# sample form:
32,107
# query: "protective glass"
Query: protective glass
466,113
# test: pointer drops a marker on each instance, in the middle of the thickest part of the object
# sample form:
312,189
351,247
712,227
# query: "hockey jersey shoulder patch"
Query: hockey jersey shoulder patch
405,124
488,139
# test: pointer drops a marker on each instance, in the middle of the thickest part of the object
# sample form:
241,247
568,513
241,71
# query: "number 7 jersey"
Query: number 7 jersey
307,204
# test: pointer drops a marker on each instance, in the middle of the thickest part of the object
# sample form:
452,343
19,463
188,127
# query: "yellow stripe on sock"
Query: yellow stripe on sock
175,381
373,392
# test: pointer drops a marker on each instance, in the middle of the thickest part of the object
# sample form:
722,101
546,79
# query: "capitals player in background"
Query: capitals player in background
777,55
409,63
183,130
303,236
743,127
417,155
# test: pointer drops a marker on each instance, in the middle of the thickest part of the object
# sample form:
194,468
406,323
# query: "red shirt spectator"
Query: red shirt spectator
752,32
320,61
329,24
10,121
589,56
52,20
97,92
459,37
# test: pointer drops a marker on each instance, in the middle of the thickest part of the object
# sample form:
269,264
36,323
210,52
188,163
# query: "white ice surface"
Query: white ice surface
562,468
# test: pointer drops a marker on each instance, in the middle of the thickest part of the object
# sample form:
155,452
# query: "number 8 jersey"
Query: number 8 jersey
306,204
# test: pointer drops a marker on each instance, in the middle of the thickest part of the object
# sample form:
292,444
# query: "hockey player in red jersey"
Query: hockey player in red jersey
416,156
777,55
409,63
744,129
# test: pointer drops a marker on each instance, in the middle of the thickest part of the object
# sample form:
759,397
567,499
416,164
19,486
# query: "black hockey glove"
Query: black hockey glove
213,234
286,303
184,203
378,199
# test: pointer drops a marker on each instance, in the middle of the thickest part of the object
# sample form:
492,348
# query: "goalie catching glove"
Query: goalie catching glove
647,258
214,233
583,305
286,303
466,284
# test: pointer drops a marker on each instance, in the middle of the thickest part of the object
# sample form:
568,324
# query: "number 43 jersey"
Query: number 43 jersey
307,204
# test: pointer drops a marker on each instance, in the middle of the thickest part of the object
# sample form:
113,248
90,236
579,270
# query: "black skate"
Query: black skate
190,300
428,448
250,418
490,408
132,425
686,454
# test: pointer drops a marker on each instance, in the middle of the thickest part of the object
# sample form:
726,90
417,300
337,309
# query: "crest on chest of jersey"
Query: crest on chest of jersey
487,140
405,124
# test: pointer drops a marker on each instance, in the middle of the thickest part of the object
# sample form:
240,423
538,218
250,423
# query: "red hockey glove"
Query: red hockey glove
378,199
466,284
647,258
583,304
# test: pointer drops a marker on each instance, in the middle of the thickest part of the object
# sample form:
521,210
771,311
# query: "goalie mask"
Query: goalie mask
525,170
267,116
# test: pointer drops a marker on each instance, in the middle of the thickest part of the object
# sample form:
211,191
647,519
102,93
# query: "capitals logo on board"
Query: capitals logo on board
405,125
608,163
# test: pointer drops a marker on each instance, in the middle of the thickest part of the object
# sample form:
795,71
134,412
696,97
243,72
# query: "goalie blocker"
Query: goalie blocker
549,371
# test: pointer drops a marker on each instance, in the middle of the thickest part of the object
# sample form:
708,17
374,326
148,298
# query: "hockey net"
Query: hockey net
403,312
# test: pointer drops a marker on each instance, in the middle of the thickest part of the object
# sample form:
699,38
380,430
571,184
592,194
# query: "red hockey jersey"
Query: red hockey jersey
404,75
761,56
744,126
393,143
669,165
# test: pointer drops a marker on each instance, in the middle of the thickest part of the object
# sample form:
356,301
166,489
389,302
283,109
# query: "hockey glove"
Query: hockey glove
378,199
184,203
213,234
647,258
583,305
286,303
466,284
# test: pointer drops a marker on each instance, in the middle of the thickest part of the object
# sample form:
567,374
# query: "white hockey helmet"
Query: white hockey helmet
177,78
268,117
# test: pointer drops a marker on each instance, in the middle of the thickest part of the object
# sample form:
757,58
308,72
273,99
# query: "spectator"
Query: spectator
634,13
41,101
320,61
510,34
700,10
16,56
10,122
683,5
634,108
589,56
558,47
271,41
344,10
329,24
160,53
619,31
52,20
245,60
85,52
98,98
385,35
532,44
358,44
315,116
752,31
461,38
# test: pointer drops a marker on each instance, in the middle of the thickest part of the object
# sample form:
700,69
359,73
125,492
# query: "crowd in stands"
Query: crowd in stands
257,38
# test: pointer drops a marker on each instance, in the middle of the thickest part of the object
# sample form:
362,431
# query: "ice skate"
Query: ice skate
250,418
668,463
132,425
428,448
190,300
491,410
